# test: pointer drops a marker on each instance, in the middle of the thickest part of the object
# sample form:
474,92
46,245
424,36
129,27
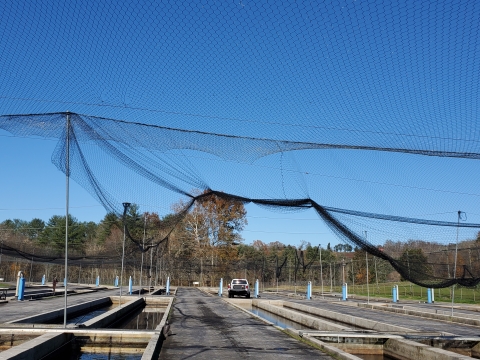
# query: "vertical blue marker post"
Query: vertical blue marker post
256,289
65,282
130,286
116,282
344,292
21,288
167,288
220,288
97,282
309,290
43,279
429,295
394,294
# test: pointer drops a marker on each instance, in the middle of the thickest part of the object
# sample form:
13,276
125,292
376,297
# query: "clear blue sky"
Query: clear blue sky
350,72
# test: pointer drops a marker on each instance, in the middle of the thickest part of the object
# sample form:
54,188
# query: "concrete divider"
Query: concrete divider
423,314
71,311
329,349
113,315
406,350
303,319
347,319
37,348
155,344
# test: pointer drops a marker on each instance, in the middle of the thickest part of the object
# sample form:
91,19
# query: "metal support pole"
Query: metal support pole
143,247
67,194
455,262
150,272
366,258
125,207
321,269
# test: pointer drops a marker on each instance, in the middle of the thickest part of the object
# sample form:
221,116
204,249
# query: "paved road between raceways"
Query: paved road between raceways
205,327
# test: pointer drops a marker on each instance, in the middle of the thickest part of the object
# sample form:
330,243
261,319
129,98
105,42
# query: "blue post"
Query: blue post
130,286
97,283
43,279
220,288
394,294
116,282
65,282
167,288
429,295
21,288
344,292
309,290
256,288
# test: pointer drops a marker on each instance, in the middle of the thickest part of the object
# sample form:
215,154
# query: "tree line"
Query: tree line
205,244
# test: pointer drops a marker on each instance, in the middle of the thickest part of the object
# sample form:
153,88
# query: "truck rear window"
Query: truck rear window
239,282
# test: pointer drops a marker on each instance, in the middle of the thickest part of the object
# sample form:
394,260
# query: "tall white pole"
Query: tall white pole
143,247
150,272
121,271
366,258
321,269
455,261
67,175
125,207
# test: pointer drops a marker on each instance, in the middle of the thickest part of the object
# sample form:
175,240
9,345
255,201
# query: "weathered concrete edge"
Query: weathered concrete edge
328,349
337,353
154,345
249,313
406,349
36,348
303,319
348,319
51,315
426,315
109,317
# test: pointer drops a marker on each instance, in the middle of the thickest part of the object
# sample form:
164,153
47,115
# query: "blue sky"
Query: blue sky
369,73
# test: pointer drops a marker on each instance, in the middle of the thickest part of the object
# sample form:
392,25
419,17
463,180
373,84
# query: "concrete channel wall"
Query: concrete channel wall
406,350
36,348
424,314
71,311
347,319
303,319
113,315
161,331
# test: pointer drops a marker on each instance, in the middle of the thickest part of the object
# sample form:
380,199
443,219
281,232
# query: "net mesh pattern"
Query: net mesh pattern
254,102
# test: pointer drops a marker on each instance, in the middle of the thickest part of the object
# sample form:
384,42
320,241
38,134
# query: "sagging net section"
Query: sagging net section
116,160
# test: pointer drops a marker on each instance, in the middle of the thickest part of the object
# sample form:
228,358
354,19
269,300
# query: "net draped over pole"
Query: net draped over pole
114,140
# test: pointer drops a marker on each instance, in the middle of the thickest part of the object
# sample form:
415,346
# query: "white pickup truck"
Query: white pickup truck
239,287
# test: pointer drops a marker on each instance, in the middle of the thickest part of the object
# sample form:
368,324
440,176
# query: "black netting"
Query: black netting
363,112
